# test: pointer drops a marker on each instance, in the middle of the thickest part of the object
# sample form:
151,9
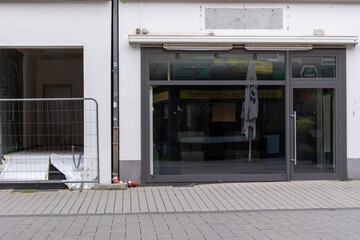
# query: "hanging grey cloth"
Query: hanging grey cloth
250,105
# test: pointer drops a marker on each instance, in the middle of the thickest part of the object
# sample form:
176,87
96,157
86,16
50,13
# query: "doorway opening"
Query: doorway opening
42,140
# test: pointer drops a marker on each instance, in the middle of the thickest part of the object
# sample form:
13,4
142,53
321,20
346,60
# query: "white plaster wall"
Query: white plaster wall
87,25
129,85
162,18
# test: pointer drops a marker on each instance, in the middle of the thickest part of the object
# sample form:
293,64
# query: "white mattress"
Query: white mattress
34,166
25,167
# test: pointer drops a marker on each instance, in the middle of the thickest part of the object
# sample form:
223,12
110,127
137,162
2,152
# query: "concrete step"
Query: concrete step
116,186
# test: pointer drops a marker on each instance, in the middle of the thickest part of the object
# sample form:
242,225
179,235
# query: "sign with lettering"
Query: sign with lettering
228,94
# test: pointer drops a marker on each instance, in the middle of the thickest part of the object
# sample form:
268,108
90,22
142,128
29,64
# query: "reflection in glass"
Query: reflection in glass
199,130
315,130
313,67
215,66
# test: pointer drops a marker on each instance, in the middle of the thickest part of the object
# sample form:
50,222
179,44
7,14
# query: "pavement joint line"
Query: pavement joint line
177,213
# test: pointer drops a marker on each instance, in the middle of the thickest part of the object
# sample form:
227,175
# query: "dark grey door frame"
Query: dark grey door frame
289,84
339,85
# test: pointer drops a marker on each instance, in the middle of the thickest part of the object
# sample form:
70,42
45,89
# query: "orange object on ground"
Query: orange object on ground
115,179
133,183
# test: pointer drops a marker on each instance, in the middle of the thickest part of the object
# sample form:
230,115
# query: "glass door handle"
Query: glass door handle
294,116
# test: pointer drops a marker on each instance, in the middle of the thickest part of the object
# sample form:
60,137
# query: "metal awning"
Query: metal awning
51,1
154,39
256,1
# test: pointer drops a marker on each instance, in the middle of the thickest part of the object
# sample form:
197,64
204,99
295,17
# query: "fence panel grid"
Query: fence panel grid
49,140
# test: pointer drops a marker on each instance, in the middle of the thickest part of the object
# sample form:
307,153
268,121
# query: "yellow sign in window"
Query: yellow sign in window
228,94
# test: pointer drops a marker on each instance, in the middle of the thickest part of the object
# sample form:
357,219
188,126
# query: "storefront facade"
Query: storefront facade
248,102
195,105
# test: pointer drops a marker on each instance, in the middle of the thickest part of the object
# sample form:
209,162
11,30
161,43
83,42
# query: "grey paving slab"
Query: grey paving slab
286,194
199,198
4,193
87,201
182,200
317,195
51,198
230,197
239,196
276,200
143,203
118,205
75,207
12,207
174,200
303,197
55,201
94,202
34,208
236,201
247,192
166,200
209,199
193,192
66,196
352,192
223,203
262,195
329,188
33,199
190,200
127,202
134,198
70,203
158,199
351,196
109,208
7,201
150,200
102,202
203,196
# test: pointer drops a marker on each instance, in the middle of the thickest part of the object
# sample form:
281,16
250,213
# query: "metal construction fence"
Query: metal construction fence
49,140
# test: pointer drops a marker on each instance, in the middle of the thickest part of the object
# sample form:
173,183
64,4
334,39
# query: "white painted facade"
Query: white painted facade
64,25
189,18
88,25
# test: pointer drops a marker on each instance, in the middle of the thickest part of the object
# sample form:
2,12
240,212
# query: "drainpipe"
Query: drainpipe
115,88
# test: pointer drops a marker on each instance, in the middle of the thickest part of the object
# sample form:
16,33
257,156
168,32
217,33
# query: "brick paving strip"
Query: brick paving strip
200,198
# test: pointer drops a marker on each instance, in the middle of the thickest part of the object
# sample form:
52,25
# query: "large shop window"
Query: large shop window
211,128
215,66
202,130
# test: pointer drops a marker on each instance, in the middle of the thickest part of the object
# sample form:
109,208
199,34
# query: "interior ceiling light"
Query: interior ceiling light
173,47
278,48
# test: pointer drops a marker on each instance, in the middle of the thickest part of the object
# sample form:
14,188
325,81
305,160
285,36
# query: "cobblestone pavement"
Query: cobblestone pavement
260,224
